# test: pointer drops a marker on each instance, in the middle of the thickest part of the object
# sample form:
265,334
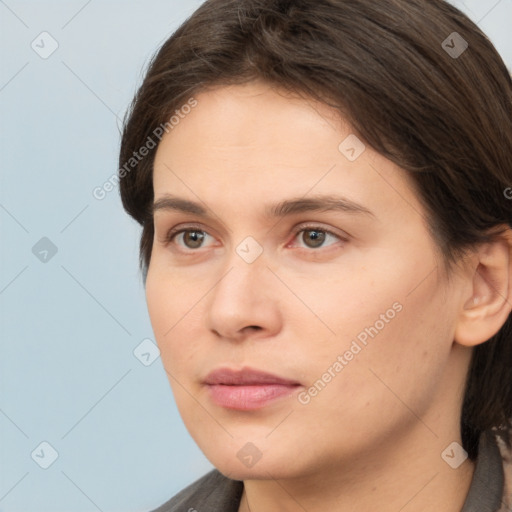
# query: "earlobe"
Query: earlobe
488,303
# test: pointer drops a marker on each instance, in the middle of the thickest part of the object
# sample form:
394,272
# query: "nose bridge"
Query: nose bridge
243,281
243,296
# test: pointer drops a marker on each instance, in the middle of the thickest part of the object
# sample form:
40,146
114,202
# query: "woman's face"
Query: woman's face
284,246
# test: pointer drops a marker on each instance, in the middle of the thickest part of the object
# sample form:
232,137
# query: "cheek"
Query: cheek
160,303
339,301
170,297
392,318
396,351
166,312
176,310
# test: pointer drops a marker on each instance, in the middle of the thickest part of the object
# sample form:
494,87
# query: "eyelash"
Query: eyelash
173,233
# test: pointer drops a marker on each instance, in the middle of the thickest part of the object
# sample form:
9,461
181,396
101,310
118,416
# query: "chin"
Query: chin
247,463
260,471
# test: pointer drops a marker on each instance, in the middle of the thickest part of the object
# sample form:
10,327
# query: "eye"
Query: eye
316,237
189,238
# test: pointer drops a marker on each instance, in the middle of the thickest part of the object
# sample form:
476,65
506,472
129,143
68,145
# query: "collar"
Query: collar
485,493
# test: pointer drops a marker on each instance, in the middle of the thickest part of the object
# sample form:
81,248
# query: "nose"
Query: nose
245,302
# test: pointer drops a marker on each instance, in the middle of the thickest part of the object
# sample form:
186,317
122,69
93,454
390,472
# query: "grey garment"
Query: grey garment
216,493
486,491
211,493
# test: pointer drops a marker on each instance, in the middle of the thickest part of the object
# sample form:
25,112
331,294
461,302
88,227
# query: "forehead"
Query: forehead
253,141
253,115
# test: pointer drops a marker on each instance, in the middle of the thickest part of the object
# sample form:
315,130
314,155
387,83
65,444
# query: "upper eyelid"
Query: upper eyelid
312,226
336,232
173,232
300,227
221,229
164,217
331,232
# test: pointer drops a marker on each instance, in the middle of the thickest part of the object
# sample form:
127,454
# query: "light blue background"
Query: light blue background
68,374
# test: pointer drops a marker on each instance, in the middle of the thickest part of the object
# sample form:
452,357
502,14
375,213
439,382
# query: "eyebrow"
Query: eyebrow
285,208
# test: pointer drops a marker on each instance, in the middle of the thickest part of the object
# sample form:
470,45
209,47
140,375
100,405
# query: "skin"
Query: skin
372,438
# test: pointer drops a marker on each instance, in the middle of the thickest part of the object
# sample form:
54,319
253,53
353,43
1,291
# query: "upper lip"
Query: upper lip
245,377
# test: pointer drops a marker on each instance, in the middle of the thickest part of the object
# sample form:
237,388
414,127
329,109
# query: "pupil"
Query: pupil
313,238
194,239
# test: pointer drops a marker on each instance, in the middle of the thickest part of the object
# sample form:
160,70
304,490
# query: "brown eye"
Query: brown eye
313,238
316,237
193,239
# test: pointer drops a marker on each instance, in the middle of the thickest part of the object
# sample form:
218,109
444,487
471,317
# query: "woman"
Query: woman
324,192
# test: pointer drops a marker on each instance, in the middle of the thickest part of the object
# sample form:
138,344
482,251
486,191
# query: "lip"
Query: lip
247,389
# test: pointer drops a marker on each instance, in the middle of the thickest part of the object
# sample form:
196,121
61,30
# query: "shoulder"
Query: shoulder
212,492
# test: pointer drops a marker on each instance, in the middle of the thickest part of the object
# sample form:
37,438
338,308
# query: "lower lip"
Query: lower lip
246,398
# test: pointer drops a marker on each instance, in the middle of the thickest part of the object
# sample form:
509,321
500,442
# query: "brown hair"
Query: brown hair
398,73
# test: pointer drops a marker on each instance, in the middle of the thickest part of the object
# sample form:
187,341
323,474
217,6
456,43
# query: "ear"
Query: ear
487,303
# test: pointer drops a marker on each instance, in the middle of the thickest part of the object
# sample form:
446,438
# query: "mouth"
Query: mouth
247,389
